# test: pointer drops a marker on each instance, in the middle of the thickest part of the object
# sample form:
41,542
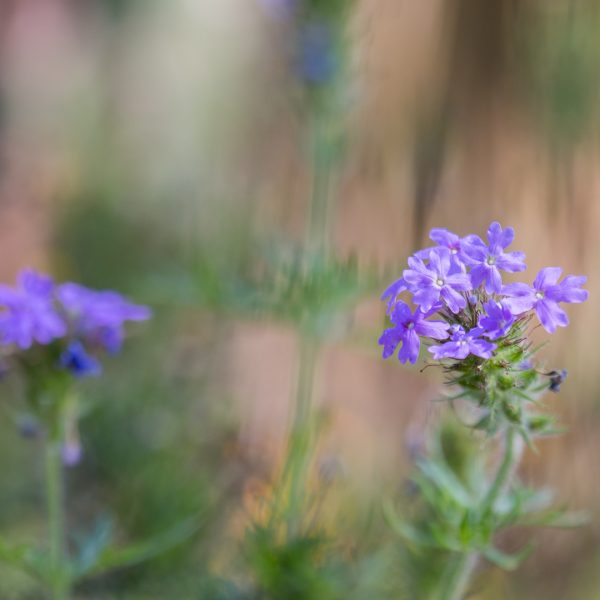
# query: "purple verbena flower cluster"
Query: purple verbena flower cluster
460,281
78,320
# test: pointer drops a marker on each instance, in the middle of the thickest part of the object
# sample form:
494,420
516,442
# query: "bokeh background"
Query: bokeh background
157,147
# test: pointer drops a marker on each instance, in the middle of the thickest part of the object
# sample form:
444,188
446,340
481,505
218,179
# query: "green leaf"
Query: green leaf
508,562
447,481
114,558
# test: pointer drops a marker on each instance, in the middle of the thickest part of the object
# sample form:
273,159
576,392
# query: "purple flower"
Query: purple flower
436,280
71,453
488,260
99,315
76,359
393,291
446,239
29,315
545,295
462,344
497,320
407,328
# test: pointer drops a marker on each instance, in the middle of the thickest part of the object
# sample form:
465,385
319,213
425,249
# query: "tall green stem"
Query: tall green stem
457,575
59,584
301,436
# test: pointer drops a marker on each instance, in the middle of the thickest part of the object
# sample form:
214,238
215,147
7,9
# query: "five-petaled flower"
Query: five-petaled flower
497,320
452,242
435,281
463,343
408,326
487,260
545,296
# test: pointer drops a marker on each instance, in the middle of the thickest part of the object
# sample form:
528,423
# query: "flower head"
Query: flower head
545,295
408,326
462,344
487,260
29,313
435,281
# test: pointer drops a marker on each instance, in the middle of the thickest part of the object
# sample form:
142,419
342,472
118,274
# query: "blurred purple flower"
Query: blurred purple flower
486,261
545,295
436,280
462,344
71,453
317,59
98,316
407,328
29,313
497,320
76,359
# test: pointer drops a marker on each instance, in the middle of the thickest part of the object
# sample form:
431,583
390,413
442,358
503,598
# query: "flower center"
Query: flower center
462,342
439,282
453,250
491,260
539,295
410,325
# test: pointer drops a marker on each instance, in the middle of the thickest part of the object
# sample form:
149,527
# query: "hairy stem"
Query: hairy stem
458,573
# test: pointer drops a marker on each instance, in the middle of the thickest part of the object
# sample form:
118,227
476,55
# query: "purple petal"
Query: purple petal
410,347
547,277
513,262
453,299
437,330
551,315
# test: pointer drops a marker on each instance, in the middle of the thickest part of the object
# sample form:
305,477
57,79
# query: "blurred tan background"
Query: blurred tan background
183,113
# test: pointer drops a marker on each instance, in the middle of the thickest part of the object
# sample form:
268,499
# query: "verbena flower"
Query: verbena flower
98,316
497,319
462,343
392,292
487,260
408,327
452,242
435,281
545,295
69,318
479,319
29,313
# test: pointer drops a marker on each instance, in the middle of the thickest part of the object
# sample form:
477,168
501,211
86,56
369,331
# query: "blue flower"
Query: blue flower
98,316
462,344
486,261
76,359
435,281
317,58
29,313
407,328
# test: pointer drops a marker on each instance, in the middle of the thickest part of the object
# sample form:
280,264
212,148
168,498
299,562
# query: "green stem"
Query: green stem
504,471
457,575
301,435
59,584
318,226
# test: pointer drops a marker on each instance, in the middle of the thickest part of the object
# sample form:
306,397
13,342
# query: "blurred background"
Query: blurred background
159,148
